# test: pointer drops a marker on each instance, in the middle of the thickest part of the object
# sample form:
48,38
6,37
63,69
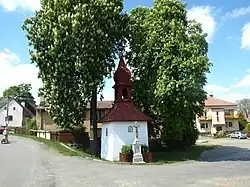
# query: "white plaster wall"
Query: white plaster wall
235,126
17,114
205,130
119,136
107,142
45,135
221,116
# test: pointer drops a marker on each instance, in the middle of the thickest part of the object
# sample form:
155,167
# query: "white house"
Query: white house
218,115
118,124
16,113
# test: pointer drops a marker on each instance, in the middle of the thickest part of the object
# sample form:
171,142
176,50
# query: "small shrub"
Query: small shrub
247,129
144,148
220,134
30,124
126,149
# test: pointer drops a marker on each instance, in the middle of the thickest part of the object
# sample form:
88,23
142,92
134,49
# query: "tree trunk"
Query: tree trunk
93,112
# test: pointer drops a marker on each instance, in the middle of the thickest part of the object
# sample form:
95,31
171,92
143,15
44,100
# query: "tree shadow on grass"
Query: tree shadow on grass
192,153
225,153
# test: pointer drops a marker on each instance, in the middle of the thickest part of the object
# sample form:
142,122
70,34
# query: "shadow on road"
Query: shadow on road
226,153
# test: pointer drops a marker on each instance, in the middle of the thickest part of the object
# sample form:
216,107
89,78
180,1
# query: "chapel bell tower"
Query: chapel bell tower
123,84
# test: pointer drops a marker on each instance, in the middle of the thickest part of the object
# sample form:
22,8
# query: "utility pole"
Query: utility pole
7,112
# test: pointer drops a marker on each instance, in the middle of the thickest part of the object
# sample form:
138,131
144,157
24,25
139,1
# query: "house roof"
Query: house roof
124,111
102,105
5,102
211,101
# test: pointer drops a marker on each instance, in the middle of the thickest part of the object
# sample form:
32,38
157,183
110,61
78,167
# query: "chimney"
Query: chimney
211,95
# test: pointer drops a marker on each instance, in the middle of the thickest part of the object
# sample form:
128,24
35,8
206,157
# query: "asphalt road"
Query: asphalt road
26,163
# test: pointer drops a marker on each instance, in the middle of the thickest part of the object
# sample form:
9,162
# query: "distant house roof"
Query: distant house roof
211,101
102,104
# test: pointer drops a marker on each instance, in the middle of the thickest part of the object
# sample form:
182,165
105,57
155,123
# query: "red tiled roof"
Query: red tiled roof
124,111
122,75
211,101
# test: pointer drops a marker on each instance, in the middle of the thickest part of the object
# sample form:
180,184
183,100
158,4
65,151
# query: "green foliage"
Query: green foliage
168,54
144,148
21,92
242,121
126,149
74,43
247,129
30,124
220,134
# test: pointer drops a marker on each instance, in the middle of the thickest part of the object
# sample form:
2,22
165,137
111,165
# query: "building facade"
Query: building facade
17,112
118,124
45,122
218,115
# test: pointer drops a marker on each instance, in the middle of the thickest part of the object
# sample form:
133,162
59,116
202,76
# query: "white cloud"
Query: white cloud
204,15
234,96
12,72
224,93
244,82
245,37
12,5
237,12
213,89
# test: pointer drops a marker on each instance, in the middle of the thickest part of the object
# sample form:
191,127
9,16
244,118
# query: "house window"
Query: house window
217,114
202,125
230,124
106,131
229,112
206,125
9,119
124,93
14,108
130,129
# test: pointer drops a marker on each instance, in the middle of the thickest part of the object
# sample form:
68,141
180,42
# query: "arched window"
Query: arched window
124,93
130,129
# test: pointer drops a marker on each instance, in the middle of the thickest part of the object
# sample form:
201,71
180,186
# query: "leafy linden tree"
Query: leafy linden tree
169,56
73,43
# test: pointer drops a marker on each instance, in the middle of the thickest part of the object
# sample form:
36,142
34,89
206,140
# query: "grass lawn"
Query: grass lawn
177,156
58,147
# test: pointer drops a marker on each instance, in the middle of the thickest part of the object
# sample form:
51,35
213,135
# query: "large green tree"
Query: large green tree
242,121
20,92
74,45
169,56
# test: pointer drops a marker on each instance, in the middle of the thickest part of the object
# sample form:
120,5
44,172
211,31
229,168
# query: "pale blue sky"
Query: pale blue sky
227,23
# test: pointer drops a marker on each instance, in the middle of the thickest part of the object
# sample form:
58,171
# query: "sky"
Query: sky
227,23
